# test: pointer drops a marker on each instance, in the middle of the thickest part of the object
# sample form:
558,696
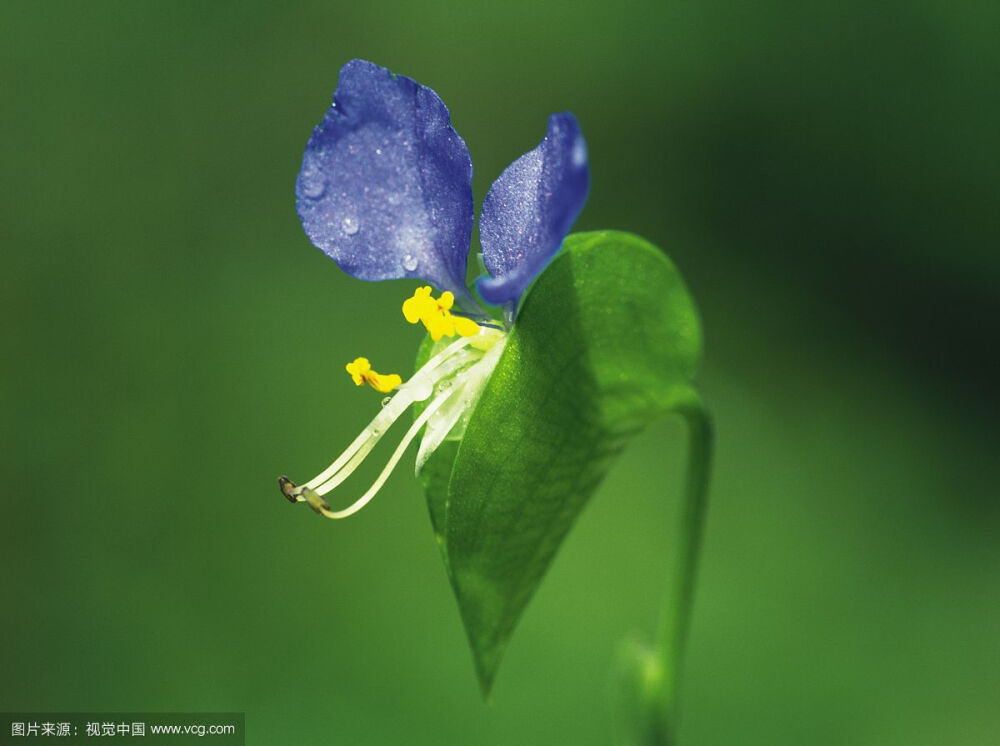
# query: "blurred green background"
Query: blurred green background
823,173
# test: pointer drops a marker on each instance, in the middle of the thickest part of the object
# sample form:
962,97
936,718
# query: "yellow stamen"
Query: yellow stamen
466,327
435,314
362,373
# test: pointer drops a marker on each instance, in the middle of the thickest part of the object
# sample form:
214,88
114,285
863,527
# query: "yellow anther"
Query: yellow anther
420,305
435,314
362,373
466,327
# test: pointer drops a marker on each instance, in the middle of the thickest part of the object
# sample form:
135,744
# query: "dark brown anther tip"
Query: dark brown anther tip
288,489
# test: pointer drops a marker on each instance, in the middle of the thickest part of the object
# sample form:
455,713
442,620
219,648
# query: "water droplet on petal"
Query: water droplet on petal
312,185
409,262
349,225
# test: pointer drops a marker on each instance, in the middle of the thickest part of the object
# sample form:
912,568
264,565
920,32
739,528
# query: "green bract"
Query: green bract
606,342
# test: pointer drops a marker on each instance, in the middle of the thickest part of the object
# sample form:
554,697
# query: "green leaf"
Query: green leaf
606,342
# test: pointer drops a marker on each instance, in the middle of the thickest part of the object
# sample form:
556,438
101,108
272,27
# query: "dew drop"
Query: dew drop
312,185
349,225
409,262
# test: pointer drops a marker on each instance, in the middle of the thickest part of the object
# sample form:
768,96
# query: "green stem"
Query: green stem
675,614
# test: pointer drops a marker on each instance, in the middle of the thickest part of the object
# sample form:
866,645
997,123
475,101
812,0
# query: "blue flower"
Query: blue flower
385,190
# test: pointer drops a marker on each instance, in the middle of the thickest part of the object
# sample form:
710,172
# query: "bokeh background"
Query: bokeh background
823,173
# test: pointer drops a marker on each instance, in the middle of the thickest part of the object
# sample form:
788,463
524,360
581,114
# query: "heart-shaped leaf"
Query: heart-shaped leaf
606,342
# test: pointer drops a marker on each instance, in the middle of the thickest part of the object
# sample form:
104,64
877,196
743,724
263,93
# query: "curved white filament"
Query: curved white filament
423,380
342,468
468,388
396,455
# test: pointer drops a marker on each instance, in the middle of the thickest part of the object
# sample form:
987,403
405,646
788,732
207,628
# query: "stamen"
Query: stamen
289,489
396,455
467,392
464,357
316,502
436,316
297,494
361,372
456,362
418,388
408,393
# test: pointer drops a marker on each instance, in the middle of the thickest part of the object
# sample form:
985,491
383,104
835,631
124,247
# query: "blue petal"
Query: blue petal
385,187
530,209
